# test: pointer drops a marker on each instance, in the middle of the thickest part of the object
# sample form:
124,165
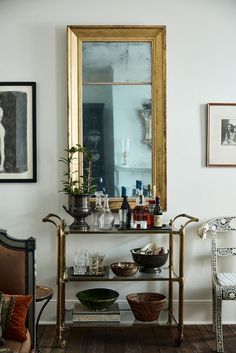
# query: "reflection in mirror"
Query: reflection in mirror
116,105
116,125
106,62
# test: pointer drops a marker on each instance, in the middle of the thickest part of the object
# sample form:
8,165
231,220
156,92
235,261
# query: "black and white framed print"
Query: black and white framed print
221,137
18,132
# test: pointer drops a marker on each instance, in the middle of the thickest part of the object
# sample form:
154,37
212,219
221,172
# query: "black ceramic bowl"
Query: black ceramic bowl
149,263
97,298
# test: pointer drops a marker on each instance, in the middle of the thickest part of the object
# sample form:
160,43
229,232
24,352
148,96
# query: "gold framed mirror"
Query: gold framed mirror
117,104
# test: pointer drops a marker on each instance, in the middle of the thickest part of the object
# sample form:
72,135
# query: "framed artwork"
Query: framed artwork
221,136
18,132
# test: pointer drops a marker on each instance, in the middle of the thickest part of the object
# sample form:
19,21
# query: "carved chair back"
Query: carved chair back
214,226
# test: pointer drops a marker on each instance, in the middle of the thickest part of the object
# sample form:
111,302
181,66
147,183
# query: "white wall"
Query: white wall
201,51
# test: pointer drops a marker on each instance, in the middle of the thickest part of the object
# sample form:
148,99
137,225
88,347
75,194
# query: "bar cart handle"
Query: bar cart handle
61,224
190,219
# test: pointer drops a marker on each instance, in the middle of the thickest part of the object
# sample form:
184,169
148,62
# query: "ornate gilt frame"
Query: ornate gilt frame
157,36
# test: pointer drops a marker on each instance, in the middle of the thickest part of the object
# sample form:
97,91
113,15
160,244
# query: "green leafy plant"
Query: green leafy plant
76,184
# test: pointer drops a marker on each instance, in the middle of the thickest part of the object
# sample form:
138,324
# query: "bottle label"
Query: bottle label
157,221
123,218
143,224
123,215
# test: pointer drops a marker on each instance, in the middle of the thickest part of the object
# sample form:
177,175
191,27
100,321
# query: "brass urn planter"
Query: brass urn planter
79,209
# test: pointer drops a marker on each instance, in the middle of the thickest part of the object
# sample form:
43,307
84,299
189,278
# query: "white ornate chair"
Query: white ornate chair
223,283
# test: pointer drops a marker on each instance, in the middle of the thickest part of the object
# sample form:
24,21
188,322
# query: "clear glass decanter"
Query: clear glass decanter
98,210
106,219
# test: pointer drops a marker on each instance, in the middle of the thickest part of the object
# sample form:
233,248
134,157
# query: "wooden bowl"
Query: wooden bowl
146,306
124,269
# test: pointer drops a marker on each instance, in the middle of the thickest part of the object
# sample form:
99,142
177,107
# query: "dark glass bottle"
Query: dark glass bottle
125,211
149,191
157,213
137,190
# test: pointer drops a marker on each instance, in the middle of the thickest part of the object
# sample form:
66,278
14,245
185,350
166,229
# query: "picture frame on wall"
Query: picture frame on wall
18,132
221,135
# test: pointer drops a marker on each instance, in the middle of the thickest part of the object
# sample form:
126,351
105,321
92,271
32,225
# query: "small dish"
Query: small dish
124,269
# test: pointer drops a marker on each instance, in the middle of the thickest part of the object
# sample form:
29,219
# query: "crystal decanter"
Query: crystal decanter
106,218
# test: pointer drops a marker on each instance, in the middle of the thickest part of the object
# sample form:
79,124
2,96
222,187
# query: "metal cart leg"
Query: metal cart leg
61,250
180,337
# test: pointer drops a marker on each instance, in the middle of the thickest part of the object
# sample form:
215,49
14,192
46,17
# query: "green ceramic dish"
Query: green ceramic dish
97,298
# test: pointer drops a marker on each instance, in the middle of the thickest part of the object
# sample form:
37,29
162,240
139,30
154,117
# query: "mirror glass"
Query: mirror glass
119,62
116,80
116,92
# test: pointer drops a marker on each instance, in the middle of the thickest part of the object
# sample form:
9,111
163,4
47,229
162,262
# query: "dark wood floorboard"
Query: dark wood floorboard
230,338
113,341
197,339
148,341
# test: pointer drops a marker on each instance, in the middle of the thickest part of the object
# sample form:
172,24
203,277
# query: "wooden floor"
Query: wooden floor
197,339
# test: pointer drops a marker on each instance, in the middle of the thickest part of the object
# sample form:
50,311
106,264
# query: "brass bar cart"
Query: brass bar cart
168,274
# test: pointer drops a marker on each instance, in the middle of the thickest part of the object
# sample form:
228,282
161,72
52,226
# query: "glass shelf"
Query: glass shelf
127,319
163,275
164,230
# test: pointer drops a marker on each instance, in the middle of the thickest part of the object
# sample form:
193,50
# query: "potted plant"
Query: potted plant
78,184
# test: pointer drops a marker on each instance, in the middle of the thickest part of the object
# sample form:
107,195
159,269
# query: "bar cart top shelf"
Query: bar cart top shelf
165,229
116,230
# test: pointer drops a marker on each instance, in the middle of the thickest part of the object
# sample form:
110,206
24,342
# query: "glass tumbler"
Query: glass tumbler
80,262
93,264
100,257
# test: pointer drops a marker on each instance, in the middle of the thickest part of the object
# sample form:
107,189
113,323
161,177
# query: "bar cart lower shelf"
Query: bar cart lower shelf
127,320
167,274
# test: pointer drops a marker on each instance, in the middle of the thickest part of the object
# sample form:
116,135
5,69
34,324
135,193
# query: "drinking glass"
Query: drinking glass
80,262
93,263
100,269
96,263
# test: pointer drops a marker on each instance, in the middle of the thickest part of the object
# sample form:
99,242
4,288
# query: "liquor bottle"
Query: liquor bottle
150,218
137,191
151,205
149,191
140,212
124,211
158,213
106,219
